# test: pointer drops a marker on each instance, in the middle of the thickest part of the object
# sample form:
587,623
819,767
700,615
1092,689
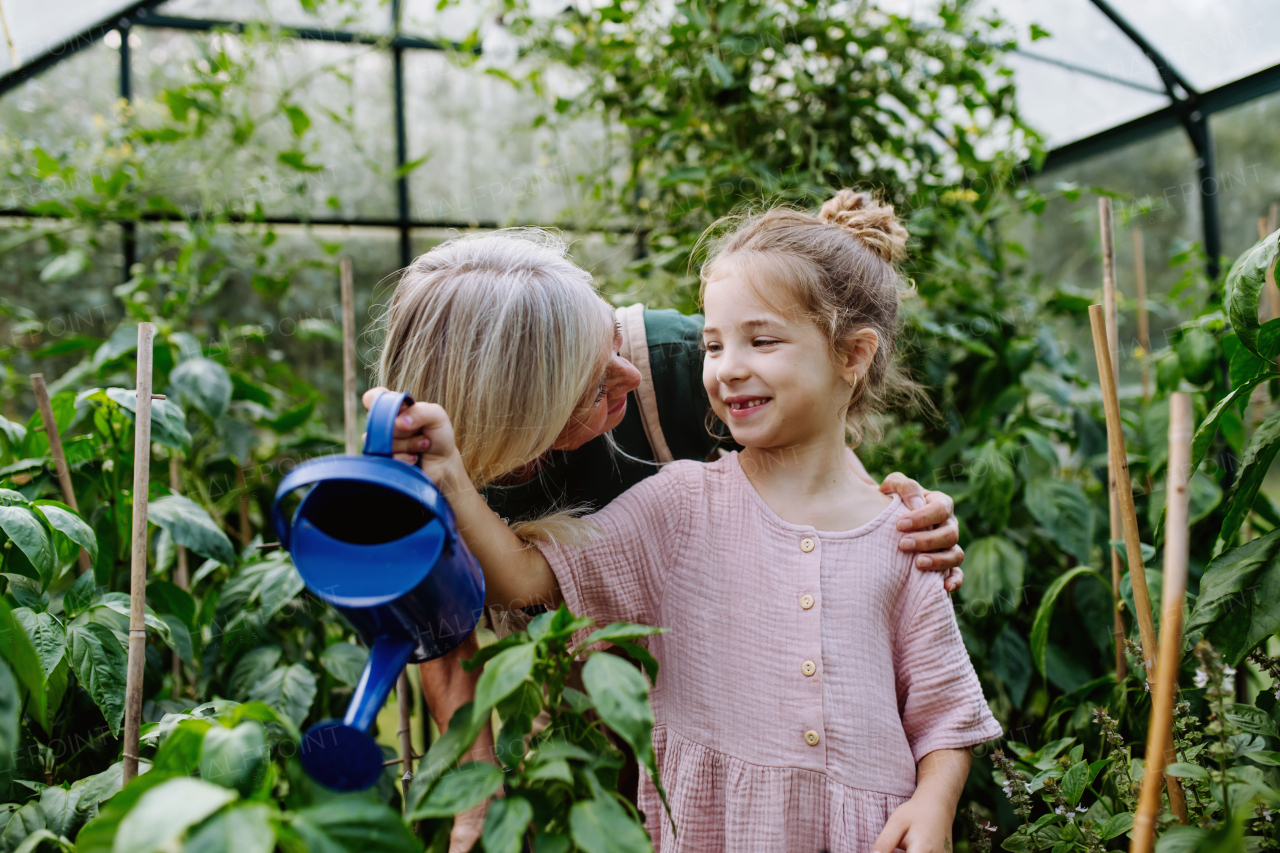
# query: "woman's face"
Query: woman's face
606,402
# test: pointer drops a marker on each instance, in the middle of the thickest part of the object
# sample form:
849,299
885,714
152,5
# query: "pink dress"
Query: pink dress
804,674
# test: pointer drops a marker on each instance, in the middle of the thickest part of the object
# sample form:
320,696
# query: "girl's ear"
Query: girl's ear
859,351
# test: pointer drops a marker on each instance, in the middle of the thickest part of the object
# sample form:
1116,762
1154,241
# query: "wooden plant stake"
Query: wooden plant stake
1164,690
180,572
138,565
1123,491
1112,341
404,700
59,457
351,432
1144,328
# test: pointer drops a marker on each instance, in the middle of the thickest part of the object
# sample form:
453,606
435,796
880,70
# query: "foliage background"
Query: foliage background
652,128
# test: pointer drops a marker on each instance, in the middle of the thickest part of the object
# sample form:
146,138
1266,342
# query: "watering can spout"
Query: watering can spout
340,755
375,538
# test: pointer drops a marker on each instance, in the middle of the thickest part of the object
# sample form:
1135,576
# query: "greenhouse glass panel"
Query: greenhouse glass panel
32,29
1157,185
1247,142
1077,33
72,103
1208,42
1067,105
485,162
348,148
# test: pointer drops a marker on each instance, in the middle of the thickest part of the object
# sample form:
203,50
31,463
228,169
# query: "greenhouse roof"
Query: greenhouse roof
1092,75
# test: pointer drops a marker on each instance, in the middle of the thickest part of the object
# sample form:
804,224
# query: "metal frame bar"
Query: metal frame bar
1186,107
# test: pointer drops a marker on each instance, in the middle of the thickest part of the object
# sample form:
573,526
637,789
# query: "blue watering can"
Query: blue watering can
375,538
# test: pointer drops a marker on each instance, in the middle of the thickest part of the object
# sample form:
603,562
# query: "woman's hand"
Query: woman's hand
930,529
423,432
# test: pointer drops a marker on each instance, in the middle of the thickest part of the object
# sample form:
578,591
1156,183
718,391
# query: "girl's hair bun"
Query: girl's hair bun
869,220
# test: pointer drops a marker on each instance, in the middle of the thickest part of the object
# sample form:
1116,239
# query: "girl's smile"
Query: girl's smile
743,406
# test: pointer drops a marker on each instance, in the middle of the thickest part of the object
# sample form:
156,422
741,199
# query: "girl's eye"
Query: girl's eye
764,342
711,347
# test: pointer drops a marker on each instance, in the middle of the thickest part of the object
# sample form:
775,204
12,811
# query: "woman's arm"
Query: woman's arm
515,574
923,823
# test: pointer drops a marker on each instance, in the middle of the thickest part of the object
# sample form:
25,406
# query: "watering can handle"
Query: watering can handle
380,429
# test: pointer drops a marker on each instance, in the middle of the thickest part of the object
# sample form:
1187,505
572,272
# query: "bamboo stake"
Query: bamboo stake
351,434
180,573
1124,493
1144,328
1112,336
1268,225
1164,690
404,699
59,457
138,566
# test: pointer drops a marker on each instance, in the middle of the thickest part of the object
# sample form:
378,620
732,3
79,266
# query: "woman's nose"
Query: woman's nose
623,376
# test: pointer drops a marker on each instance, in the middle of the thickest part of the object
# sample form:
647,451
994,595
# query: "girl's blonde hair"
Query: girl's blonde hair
839,268
503,331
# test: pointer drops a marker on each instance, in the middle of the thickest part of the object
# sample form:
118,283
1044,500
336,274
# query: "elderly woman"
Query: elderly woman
560,403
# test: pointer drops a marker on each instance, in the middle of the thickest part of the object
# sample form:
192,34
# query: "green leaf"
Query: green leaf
641,655
203,383
460,789
167,597
235,758
614,633
70,525
1062,509
344,662
67,265
99,664
1254,464
1116,826
17,649
355,824
27,821
1040,625
81,596
98,836
993,482
23,527
298,160
190,525
1075,781
288,689
994,568
1011,662
1239,602
47,636
10,712
719,71
298,120
293,418
621,697
252,667
445,752
602,825
242,829
1186,771
501,676
165,812
123,340
168,422
1252,720
1244,283
505,824
180,752
1209,428
60,813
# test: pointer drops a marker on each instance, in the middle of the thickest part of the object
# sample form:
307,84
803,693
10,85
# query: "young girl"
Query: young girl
814,692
